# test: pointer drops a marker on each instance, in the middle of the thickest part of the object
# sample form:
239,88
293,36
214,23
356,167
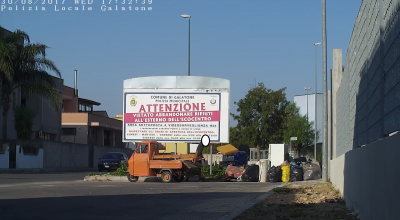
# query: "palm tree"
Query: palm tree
24,65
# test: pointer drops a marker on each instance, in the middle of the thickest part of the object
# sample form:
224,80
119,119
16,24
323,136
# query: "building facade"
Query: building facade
82,125
301,102
47,121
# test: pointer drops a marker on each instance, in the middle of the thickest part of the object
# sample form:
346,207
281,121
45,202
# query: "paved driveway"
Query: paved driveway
76,199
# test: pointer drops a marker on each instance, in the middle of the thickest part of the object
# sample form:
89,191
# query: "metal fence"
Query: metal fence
368,99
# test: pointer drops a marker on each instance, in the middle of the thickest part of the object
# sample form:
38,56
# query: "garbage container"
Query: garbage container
263,170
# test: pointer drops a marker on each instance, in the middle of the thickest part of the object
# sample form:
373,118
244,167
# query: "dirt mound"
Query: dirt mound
301,200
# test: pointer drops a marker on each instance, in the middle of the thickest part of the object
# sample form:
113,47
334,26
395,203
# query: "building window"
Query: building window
118,137
88,108
68,131
49,137
107,138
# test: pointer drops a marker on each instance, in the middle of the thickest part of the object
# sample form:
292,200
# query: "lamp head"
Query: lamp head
185,16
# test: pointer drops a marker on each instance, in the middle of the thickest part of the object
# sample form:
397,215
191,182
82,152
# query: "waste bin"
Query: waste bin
263,170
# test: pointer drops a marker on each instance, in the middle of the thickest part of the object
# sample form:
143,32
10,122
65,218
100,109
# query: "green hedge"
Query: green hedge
217,171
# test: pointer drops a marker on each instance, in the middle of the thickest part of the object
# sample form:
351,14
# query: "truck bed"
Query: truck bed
165,164
173,156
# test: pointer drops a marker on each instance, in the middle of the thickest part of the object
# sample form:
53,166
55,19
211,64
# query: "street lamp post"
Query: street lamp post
188,17
325,99
315,103
307,89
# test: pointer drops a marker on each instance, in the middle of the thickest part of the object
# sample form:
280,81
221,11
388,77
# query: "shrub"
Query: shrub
122,170
217,171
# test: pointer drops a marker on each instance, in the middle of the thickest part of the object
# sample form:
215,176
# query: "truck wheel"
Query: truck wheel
132,178
166,176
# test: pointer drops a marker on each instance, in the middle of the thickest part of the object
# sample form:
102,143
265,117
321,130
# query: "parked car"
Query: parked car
111,161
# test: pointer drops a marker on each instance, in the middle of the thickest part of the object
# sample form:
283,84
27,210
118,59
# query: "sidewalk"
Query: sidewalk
47,170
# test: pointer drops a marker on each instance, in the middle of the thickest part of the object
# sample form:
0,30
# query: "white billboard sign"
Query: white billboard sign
176,115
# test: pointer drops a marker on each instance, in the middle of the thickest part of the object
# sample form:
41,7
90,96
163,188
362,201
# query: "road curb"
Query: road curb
106,178
119,178
247,205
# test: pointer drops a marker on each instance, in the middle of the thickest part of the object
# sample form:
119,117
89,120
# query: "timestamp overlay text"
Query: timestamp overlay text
75,5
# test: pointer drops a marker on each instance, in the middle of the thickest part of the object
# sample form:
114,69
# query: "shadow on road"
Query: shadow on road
131,206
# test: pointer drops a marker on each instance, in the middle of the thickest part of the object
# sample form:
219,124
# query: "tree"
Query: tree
261,116
23,122
235,138
297,126
24,65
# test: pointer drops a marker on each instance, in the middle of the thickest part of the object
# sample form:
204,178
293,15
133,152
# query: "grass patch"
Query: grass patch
295,214
316,214
282,190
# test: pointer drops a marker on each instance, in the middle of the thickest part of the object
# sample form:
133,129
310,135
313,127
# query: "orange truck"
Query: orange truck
146,160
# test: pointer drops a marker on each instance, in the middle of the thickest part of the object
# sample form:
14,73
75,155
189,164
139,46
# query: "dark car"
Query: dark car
111,161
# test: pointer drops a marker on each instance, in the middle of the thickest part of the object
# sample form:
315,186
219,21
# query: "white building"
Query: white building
301,102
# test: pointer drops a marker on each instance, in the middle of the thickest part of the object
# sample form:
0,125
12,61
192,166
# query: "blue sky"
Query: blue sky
243,41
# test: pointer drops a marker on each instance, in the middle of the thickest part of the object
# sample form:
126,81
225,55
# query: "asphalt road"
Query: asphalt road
67,196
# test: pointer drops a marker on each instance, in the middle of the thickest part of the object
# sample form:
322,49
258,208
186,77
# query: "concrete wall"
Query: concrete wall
28,161
99,151
365,112
52,155
47,118
81,136
69,155
4,163
369,177
70,101
368,99
336,79
336,173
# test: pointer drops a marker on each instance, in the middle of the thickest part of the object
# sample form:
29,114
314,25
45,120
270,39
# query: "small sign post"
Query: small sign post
205,141
292,139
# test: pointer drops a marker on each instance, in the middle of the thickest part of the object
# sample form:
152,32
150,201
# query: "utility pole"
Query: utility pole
315,104
325,106
307,89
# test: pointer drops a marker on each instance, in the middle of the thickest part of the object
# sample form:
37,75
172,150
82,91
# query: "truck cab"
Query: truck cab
139,162
146,160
